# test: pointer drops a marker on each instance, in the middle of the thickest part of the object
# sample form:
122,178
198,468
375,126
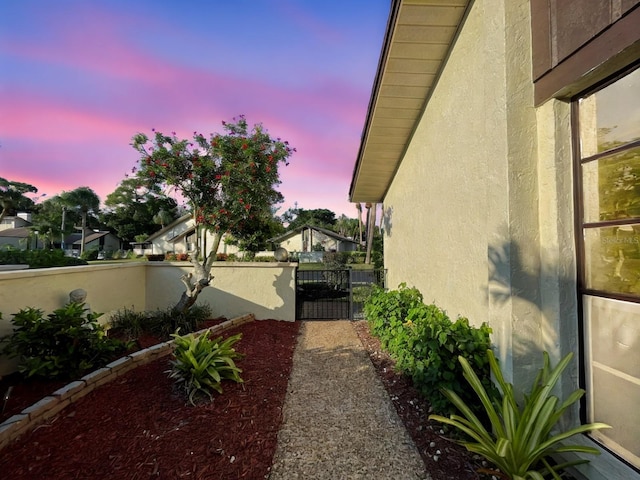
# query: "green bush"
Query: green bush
37,258
387,310
521,439
90,254
162,323
200,364
426,343
65,344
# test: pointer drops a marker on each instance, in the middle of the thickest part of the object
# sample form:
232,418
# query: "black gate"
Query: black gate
334,294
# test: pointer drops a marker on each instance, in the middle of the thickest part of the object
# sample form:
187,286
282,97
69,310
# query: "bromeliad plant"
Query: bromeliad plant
201,363
521,441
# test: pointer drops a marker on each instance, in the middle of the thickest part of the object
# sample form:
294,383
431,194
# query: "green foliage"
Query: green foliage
520,440
201,364
90,254
161,323
228,179
12,197
425,343
37,258
65,344
135,211
319,217
387,310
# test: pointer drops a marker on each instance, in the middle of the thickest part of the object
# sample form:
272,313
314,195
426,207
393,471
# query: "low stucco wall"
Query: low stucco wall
266,290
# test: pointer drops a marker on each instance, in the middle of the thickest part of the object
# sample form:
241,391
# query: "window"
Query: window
608,201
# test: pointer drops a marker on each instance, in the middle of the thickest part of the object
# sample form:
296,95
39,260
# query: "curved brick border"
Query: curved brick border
30,417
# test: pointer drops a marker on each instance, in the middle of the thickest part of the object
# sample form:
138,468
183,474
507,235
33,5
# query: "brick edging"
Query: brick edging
25,421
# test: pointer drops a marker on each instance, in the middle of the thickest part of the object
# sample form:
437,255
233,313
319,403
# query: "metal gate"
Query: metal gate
334,294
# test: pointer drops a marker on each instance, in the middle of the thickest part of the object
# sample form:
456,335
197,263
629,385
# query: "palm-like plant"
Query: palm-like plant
85,200
521,440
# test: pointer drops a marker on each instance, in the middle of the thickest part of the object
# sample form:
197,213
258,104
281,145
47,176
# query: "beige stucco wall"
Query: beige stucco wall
463,214
480,215
267,290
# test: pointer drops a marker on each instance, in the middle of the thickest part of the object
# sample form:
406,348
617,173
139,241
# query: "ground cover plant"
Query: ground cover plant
521,440
200,364
64,344
130,324
426,343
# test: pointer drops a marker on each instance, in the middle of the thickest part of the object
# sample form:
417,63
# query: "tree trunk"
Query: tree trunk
359,207
84,234
371,223
200,278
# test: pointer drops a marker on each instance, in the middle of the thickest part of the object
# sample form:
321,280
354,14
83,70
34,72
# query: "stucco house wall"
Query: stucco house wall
479,215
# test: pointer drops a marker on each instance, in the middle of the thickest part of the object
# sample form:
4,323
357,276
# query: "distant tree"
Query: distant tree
228,181
12,197
263,229
47,221
320,217
347,227
84,200
134,209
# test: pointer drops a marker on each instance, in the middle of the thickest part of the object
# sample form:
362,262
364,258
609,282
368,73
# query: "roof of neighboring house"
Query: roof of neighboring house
20,232
417,42
90,236
162,231
295,231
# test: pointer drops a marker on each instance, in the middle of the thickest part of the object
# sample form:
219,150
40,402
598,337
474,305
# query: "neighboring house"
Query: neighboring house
180,237
100,240
308,237
19,238
15,232
502,139
20,220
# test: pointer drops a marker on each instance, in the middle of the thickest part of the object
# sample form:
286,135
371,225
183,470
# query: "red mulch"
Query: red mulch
138,427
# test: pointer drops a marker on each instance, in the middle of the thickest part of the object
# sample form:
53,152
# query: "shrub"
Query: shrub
163,323
387,310
200,364
65,344
38,258
129,323
90,254
520,440
425,343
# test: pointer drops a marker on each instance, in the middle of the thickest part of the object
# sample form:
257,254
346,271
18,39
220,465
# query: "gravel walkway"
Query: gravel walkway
339,422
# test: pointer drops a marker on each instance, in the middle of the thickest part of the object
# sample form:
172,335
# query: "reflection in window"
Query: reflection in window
609,209
611,117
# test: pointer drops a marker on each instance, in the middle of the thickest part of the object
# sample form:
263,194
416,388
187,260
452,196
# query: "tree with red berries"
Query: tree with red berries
229,181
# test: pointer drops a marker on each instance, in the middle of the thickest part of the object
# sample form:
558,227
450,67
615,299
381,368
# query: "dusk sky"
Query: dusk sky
78,78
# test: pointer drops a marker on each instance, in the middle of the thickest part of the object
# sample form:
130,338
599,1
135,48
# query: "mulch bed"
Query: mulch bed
138,427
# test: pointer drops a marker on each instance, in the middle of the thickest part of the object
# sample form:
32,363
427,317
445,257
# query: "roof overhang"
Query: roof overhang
418,39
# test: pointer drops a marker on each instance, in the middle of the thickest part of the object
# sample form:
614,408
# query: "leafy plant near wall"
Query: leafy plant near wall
520,441
201,364
37,258
387,310
162,323
65,344
425,343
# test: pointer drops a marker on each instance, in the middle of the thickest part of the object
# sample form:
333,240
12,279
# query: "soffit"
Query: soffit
418,38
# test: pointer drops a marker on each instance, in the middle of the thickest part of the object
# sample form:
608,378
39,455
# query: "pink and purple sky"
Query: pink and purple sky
79,78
